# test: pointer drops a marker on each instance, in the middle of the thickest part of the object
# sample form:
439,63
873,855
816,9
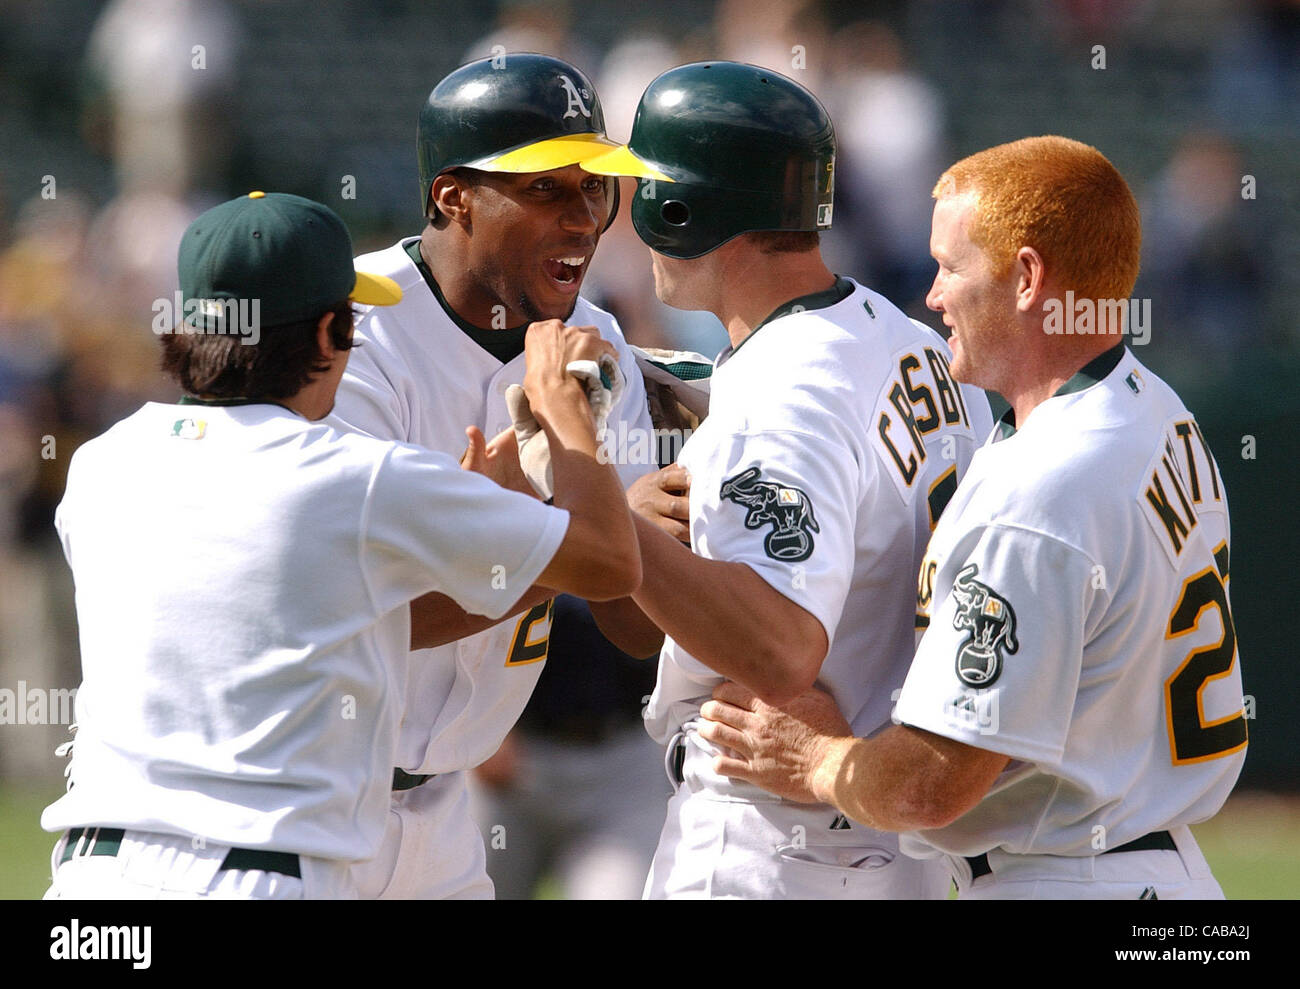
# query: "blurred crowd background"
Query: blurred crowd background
123,120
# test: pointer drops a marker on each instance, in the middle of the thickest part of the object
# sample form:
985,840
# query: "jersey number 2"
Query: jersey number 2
1191,739
523,647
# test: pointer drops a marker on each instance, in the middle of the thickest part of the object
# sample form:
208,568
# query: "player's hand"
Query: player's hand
778,749
664,499
549,348
498,460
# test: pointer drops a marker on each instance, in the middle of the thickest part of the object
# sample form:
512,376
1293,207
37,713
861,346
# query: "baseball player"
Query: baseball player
835,436
511,225
1075,702
243,572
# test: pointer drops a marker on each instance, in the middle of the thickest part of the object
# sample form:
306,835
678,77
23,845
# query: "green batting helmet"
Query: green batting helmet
738,147
511,113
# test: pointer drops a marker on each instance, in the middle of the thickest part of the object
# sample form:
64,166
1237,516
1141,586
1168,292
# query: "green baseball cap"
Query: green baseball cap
289,255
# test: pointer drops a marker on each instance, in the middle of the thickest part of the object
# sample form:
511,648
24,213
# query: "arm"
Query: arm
661,497
903,779
583,562
729,618
599,558
627,627
436,619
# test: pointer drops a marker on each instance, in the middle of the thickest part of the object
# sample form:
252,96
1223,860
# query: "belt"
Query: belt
677,761
402,780
108,841
1155,841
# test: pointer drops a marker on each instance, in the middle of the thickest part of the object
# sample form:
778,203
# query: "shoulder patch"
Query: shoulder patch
991,622
788,510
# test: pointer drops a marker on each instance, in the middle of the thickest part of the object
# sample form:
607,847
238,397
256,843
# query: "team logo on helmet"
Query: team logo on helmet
576,96
992,624
786,508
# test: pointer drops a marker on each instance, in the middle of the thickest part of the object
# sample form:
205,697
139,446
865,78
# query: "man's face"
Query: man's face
532,238
977,304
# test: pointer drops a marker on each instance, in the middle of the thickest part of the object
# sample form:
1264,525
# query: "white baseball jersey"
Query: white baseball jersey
419,378
242,582
1080,624
835,436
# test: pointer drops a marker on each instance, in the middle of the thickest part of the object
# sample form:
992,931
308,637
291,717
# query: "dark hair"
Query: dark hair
284,359
786,241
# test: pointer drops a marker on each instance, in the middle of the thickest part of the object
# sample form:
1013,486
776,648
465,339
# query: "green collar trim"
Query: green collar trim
1096,370
837,293
505,345
195,400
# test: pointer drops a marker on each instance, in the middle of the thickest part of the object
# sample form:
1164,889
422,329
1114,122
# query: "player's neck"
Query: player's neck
1044,375
754,285
460,291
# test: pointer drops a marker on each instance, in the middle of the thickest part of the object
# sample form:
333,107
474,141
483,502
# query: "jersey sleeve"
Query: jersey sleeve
431,526
368,400
999,666
783,503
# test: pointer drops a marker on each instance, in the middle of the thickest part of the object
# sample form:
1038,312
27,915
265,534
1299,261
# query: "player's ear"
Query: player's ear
1031,278
449,198
324,342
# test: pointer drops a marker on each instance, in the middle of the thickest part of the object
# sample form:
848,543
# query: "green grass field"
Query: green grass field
1253,845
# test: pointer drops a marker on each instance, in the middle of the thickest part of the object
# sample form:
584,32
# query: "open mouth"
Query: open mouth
565,272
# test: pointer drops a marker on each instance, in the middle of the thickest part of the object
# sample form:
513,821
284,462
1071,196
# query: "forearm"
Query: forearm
436,619
599,559
583,484
903,779
627,626
728,617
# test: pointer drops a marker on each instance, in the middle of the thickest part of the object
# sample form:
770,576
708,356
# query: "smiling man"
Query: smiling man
512,222
1075,702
